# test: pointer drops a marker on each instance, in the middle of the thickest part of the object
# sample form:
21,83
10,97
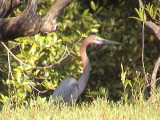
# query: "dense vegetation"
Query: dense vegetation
34,65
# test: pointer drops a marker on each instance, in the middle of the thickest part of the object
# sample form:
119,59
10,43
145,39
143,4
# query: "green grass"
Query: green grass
99,109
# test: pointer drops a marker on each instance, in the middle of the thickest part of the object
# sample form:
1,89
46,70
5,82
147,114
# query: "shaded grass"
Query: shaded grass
100,109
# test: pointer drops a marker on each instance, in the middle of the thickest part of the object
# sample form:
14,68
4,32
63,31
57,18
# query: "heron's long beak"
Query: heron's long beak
108,42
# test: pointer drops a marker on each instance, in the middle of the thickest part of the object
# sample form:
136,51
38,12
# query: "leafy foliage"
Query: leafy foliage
42,61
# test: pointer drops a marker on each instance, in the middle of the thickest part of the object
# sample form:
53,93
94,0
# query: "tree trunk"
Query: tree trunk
28,23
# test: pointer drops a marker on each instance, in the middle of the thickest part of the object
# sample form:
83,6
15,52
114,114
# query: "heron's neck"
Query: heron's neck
82,82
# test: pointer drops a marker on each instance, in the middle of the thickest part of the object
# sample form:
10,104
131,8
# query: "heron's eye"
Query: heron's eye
99,42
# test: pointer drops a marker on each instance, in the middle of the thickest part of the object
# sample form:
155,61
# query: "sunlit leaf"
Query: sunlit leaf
85,12
93,6
94,30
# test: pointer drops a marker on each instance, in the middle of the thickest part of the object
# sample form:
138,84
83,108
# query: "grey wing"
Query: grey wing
67,90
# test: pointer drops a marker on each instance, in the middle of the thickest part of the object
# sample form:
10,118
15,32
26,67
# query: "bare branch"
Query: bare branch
8,51
49,20
25,24
155,28
154,73
29,23
39,92
140,3
6,7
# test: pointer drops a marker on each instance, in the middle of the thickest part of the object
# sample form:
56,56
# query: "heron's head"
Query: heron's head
100,41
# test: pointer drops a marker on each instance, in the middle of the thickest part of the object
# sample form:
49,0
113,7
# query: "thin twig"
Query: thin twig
39,92
9,66
143,66
158,79
150,83
154,74
8,50
140,3
9,72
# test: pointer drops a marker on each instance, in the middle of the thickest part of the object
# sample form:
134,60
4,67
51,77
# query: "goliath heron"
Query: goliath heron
70,89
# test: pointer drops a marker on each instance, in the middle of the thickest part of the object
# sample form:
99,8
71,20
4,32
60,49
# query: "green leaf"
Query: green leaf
28,68
141,13
94,30
33,49
94,93
20,56
85,12
93,6
54,37
127,82
97,25
28,88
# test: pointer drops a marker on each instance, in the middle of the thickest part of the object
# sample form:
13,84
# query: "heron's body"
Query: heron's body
70,89
69,84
